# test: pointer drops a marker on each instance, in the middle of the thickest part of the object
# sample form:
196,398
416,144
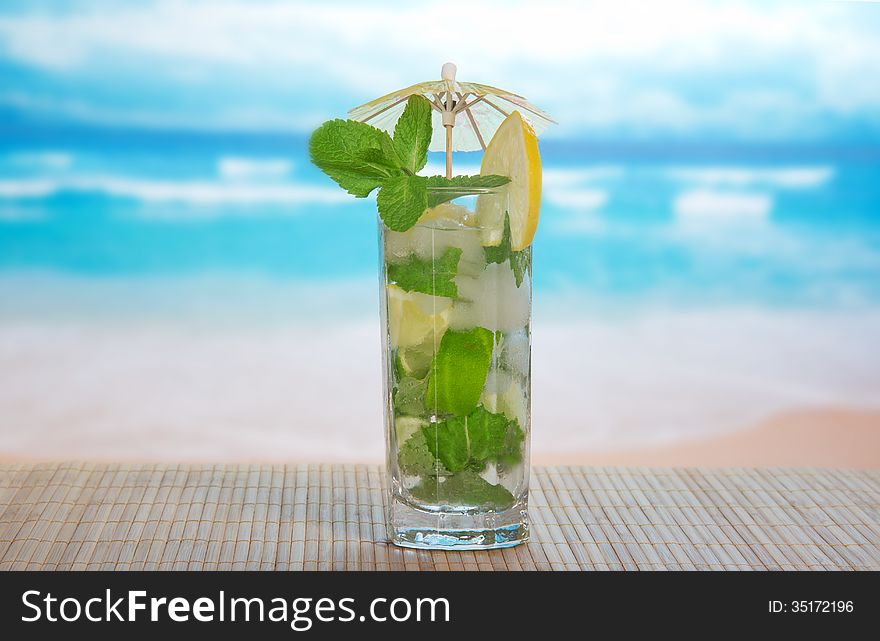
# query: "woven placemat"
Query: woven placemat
74,516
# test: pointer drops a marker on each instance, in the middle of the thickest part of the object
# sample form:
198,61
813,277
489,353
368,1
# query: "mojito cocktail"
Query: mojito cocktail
456,313
456,274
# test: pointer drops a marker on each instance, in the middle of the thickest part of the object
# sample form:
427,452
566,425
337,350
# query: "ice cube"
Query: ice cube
431,304
490,212
515,352
428,242
398,245
449,213
497,382
492,300
503,394
464,315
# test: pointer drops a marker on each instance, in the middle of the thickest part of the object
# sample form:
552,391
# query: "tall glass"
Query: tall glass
456,313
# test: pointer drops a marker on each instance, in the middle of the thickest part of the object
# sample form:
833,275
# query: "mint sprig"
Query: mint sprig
412,134
362,158
357,156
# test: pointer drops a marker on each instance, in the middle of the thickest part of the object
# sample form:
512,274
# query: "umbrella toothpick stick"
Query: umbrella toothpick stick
448,74
448,142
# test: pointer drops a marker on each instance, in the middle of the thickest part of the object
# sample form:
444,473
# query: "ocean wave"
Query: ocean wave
577,198
190,192
585,223
242,168
711,205
568,177
15,214
785,177
41,160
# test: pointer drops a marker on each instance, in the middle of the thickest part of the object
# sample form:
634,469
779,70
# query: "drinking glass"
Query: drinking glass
456,311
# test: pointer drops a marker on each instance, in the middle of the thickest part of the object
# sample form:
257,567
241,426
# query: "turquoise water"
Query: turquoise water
696,225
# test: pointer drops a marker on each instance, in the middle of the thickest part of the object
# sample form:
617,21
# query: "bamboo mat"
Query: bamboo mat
75,516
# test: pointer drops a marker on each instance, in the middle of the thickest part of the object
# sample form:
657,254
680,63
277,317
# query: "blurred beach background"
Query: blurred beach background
177,282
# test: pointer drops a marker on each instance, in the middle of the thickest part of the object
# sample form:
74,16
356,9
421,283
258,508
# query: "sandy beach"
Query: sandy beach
824,438
721,387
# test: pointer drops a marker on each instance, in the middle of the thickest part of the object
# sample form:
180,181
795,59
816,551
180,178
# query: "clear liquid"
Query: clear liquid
457,361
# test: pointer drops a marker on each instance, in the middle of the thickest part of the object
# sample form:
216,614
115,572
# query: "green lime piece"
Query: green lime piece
416,361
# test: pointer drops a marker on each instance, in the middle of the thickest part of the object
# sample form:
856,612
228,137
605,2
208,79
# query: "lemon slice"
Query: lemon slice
450,212
513,152
409,323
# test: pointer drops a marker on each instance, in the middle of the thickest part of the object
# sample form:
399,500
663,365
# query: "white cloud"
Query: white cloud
592,65
91,110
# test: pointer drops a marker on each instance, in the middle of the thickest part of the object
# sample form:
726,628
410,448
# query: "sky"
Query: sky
740,71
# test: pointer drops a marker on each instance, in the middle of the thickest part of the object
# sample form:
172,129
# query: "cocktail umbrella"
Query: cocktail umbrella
468,112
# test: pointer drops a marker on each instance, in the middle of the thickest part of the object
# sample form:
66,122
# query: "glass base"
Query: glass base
414,528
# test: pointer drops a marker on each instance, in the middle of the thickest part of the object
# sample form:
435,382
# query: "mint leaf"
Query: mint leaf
354,154
401,201
469,442
501,252
409,396
448,442
487,434
414,457
412,133
459,186
510,451
464,488
436,278
459,371
519,261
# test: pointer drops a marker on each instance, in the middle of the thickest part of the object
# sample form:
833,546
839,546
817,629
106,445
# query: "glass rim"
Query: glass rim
467,191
